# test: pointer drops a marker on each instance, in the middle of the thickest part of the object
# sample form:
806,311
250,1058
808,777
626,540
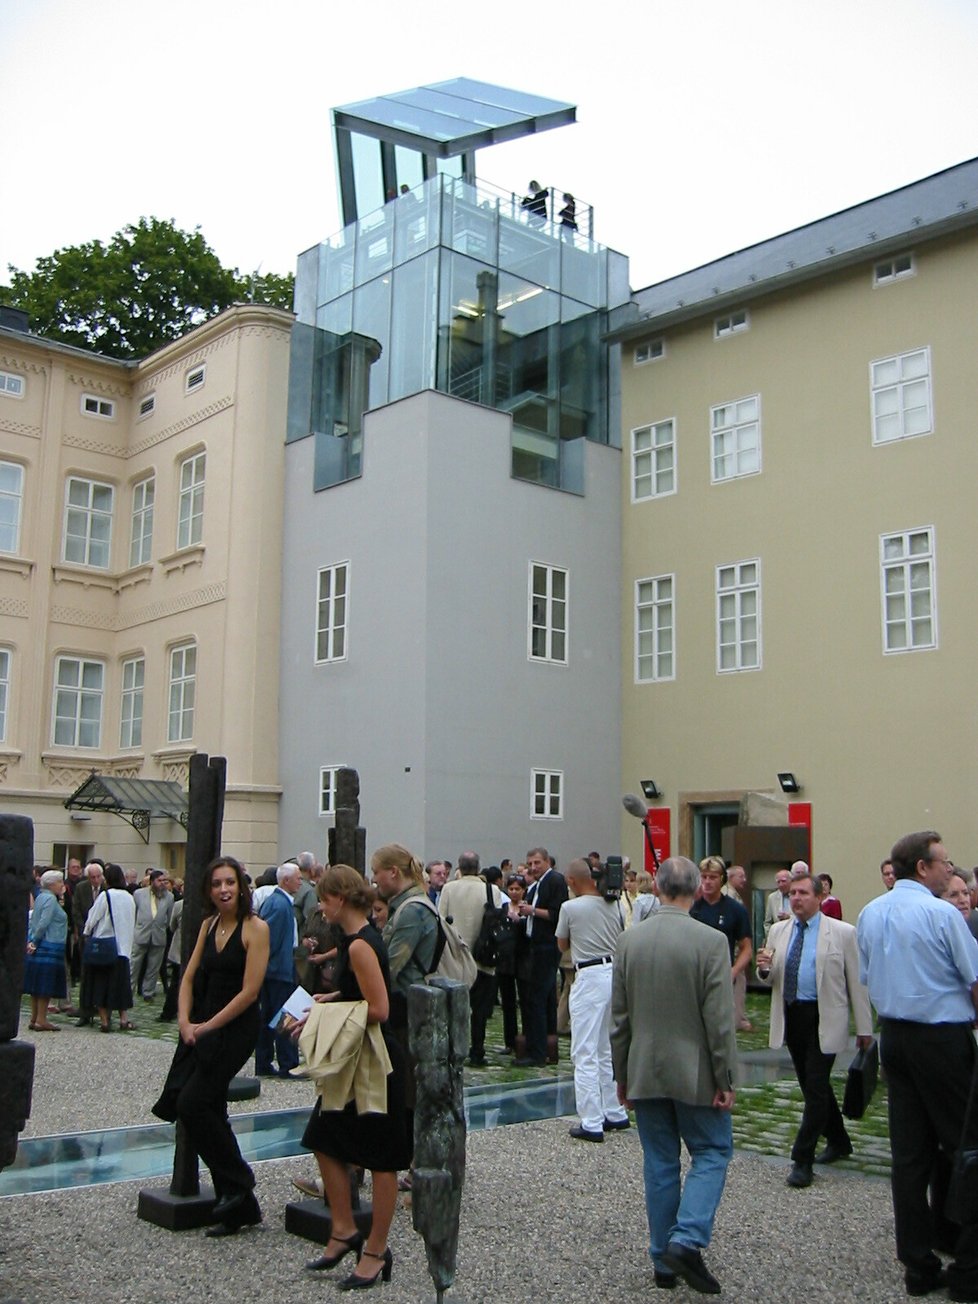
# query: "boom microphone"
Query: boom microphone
635,805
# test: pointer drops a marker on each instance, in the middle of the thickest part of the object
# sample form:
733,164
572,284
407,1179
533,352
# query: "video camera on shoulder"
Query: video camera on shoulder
610,878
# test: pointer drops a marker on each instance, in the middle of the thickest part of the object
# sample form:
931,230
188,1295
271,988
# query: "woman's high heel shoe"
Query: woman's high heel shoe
354,1242
354,1282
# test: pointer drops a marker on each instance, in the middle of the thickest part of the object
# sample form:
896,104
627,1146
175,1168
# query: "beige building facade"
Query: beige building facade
140,578
799,533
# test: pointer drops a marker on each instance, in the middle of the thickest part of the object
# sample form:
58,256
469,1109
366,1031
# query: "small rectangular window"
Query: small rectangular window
655,625
331,612
738,599
4,691
78,687
327,789
133,676
190,516
141,539
88,522
909,595
654,460
183,693
93,406
894,269
731,324
650,351
147,405
195,378
11,384
547,617
546,794
736,435
11,501
901,396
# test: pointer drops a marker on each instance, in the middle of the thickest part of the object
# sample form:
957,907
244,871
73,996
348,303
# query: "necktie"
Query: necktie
154,905
793,964
531,896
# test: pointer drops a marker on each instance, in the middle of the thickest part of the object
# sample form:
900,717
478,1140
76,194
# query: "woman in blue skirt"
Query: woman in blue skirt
44,973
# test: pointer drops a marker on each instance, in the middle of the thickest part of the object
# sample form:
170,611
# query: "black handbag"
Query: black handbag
102,952
961,1205
861,1080
497,936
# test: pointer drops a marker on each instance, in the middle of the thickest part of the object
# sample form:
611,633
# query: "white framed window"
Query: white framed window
546,794
547,613
147,405
894,269
4,691
11,501
654,460
141,537
332,594
732,324
11,384
655,629
327,788
909,590
93,406
78,691
901,396
195,378
735,430
649,351
131,716
739,616
190,515
183,693
88,522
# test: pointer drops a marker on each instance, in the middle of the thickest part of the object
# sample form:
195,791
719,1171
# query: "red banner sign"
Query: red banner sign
658,821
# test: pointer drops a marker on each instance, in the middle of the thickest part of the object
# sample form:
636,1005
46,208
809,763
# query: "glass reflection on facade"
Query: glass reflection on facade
448,287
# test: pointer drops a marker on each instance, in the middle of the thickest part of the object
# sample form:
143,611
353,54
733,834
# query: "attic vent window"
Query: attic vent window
650,351
195,378
894,269
732,325
147,405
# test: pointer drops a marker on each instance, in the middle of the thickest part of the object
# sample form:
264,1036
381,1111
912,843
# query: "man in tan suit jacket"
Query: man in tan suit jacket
814,981
674,1048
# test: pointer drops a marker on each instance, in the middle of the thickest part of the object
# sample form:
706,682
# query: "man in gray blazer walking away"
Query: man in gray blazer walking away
674,1048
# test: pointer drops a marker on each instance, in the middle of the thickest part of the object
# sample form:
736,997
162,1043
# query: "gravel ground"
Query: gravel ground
543,1217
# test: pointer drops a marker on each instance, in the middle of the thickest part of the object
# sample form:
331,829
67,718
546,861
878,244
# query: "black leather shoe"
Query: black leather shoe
688,1264
228,1205
356,1282
246,1213
351,1244
84,1022
925,1283
580,1133
620,1125
831,1154
800,1175
665,1280
963,1294
527,1063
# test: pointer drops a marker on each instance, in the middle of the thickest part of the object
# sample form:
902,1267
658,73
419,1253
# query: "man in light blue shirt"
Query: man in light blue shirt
921,966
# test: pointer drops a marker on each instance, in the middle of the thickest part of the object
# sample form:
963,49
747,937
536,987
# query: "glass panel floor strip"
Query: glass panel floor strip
127,1154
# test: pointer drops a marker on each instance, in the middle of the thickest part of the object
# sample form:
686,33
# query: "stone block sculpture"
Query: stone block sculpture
347,840
16,1057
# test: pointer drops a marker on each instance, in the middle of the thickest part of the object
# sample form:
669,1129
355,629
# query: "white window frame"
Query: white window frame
141,521
195,378
101,408
89,513
190,499
6,660
658,604
736,422
649,351
900,385
327,788
901,575
733,582
181,692
897,268
147,406
332,613
12,384
547,631
732,323
653,455
15,498
133,672
90,695
546,790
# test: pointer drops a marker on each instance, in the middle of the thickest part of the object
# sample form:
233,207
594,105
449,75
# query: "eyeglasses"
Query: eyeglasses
940,860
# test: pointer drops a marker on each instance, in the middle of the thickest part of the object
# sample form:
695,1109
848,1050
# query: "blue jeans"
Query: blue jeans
678,1212
274,993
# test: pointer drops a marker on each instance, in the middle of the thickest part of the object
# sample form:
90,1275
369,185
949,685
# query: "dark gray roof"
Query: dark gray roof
453,117
138,800
924,210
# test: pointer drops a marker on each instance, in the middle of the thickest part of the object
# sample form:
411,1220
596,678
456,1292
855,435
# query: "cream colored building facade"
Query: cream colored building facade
799,532
140,577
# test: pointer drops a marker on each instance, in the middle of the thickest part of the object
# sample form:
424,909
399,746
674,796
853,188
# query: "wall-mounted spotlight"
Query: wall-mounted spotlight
788,782
650,789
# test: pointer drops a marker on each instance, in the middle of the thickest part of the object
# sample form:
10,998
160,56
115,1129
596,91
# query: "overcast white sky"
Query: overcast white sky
703,125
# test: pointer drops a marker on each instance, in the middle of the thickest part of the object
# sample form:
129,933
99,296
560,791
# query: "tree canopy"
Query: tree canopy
149,284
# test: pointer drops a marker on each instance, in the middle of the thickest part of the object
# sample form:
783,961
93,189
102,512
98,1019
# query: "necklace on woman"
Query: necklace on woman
224,930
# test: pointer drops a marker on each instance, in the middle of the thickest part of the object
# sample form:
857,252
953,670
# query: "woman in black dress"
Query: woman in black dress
218,1031
341,1137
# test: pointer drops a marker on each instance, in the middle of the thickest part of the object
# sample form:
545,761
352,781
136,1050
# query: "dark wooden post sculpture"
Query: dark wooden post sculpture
16,1057
347,840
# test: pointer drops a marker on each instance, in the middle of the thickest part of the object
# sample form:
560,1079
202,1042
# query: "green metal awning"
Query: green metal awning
138,801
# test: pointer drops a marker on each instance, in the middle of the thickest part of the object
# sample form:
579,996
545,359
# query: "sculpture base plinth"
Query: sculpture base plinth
311,1220
177,1213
